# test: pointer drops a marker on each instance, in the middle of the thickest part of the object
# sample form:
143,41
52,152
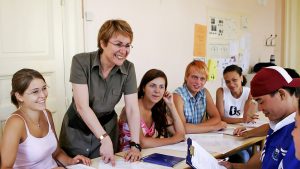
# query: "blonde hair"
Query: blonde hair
199,65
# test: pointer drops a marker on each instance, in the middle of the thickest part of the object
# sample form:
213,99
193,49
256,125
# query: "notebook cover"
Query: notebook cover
162,159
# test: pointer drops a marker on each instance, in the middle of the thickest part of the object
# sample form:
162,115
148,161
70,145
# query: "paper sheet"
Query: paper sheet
255,124
215,143
178,146
212,69
121,164
203,160
79,166
200,40
226,131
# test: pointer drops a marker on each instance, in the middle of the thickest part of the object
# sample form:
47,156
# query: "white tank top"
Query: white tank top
36,153
234,108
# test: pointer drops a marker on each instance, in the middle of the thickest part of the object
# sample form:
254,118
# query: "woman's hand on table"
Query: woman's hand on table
133,154
81,159
107,151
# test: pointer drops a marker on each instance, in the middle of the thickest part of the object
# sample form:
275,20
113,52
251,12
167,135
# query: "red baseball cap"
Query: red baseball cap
270,79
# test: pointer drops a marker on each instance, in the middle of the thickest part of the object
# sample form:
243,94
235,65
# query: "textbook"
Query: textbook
162,159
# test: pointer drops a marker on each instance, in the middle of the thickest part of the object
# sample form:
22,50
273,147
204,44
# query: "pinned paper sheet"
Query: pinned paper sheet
212,69
200,40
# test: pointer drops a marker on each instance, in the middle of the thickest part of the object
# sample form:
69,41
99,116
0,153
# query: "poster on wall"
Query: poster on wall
200,40
223,27
228,41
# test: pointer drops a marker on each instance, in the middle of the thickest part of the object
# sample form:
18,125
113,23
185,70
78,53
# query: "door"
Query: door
31,37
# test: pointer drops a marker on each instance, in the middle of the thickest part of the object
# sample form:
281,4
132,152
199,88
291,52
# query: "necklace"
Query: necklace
33,122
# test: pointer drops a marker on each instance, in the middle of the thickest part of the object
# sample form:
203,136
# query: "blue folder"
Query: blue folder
162,159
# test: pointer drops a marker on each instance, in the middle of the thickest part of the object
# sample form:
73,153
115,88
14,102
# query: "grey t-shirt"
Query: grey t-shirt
104,94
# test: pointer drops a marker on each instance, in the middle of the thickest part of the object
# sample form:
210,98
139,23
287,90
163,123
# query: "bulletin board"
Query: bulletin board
228,41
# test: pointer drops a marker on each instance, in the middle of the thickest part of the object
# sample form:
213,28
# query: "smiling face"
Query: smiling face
195,80
233,81
155,89
115,52
35,95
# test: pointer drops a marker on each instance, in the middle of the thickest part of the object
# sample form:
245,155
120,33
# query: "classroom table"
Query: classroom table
219,145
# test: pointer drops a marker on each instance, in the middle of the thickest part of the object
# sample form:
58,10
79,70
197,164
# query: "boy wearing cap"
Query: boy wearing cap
275,92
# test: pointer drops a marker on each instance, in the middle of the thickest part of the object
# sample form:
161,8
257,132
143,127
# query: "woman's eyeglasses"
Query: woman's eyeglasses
120,45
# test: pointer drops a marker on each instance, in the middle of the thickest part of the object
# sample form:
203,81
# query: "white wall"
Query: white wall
164,30
292,38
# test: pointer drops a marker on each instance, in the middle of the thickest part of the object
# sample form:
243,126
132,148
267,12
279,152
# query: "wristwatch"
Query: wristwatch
102,136
133,144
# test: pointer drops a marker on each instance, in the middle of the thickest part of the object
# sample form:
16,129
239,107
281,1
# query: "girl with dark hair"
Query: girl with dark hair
234,101
29,137
160,123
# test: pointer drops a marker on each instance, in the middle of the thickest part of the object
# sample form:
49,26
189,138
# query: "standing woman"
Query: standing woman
98,81
160,123
234,101
29,138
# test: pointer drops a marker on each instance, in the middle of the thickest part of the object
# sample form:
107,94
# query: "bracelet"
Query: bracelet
102,136
133,144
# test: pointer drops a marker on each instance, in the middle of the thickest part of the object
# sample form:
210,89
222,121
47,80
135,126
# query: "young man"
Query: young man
263,129
275,91
194,103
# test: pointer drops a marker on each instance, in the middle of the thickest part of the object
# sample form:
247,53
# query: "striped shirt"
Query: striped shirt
194,107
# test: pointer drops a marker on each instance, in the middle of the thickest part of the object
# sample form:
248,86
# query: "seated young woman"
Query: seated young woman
160,123
29,138
234,100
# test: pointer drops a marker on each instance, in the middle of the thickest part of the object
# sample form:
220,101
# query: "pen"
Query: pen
61,164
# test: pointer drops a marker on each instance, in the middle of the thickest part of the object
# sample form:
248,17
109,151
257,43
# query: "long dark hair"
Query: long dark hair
159,110
237,69
20,82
